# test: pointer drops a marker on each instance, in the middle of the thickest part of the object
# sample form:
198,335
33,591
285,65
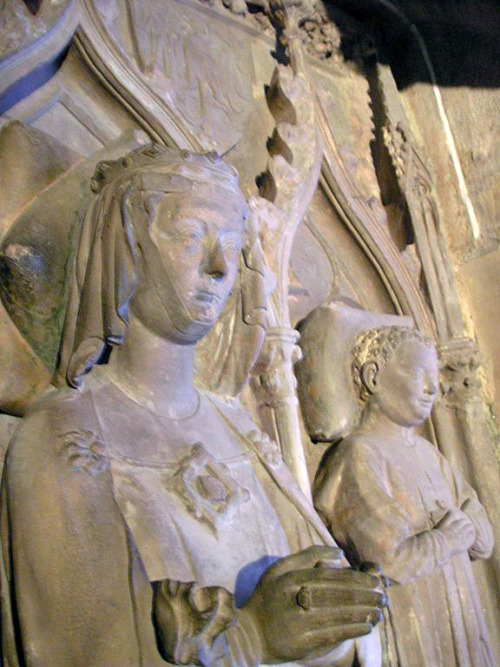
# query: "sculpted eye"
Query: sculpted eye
190,238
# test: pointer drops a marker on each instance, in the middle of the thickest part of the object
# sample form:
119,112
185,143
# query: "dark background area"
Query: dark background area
462,38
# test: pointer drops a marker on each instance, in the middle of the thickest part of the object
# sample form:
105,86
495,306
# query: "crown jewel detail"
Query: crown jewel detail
183,162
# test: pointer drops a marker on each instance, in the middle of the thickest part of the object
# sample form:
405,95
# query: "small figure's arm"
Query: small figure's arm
354,497
470,505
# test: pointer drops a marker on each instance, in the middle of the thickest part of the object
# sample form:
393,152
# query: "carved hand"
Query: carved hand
190,622
483,544
458,529
306,604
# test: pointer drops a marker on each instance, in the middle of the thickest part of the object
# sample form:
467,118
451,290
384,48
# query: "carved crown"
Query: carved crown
209,166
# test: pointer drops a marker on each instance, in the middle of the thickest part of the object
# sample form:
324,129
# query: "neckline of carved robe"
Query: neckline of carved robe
199,503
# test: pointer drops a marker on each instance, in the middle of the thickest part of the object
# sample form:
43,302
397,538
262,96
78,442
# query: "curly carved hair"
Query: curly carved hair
379,346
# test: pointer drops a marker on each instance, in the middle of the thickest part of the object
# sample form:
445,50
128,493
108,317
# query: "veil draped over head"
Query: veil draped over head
105,271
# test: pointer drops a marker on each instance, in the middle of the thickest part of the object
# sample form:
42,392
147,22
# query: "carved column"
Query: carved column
462,429
274,384
417,196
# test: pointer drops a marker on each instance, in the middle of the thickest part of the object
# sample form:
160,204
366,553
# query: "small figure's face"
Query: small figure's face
405,387
199,238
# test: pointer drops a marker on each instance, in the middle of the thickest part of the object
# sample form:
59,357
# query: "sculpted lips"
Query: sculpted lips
206,296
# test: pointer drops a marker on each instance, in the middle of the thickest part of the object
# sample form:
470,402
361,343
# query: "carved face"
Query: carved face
405,387
199,239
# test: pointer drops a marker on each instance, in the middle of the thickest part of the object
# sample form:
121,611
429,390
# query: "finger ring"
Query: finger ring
304,598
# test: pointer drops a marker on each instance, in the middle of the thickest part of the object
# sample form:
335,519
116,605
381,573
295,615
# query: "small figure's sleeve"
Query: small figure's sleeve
66,573
468,502
367,517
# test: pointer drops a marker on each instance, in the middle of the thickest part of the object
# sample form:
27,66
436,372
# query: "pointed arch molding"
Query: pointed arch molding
111,67
164,125
374,239
39,51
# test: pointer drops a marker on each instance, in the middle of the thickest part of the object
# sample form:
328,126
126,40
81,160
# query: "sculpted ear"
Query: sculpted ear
369,374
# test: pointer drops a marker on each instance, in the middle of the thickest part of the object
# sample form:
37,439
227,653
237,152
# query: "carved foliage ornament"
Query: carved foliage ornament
319,35
459,378
84,451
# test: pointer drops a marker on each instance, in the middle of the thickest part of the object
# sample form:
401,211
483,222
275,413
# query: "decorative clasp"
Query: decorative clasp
206,487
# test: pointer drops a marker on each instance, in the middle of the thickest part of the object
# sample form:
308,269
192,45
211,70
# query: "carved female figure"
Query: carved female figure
388,495
144,518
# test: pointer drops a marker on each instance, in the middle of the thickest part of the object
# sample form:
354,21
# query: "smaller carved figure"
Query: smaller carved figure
388,496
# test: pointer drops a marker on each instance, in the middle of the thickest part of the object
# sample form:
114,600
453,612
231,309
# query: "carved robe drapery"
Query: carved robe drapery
381,502
80,558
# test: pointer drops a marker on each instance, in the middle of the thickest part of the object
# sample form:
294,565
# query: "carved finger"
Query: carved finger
327,637
314,596
376,570
340,616
308,558
371,568
340,576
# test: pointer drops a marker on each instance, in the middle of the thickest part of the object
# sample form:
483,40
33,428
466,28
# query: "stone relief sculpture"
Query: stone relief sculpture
144,518
201,70
388,495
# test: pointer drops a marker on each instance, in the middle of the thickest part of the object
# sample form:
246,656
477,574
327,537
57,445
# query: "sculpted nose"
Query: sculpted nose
216,265
431,387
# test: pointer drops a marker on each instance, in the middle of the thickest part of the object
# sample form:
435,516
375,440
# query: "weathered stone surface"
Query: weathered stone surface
170,494
35,255
21,24
386,494
364,141
203,70
29,162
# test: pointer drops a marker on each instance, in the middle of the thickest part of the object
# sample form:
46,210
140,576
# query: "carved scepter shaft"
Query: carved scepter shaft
287,187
